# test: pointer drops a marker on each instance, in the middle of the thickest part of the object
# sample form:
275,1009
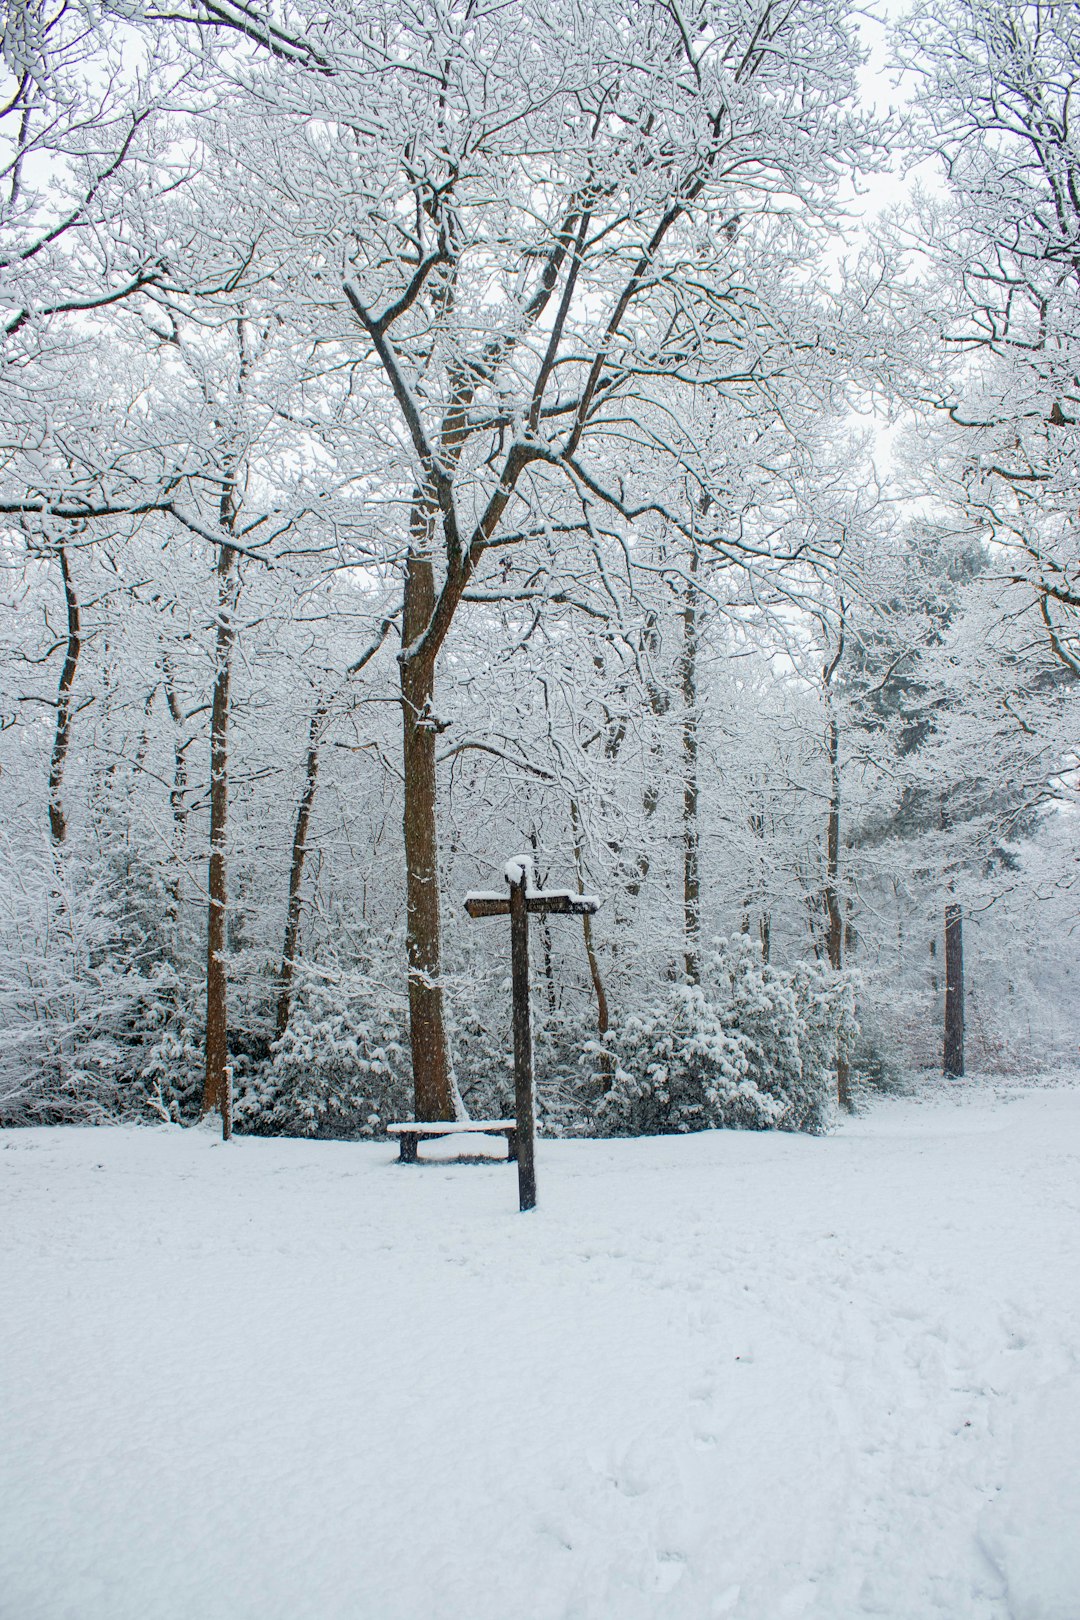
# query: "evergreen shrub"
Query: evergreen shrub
341,1068
751,1046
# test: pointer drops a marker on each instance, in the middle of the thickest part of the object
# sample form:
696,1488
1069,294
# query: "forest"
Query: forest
637,435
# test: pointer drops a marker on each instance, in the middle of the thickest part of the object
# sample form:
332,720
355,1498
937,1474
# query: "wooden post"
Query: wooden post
524,900
523,1060
953,1058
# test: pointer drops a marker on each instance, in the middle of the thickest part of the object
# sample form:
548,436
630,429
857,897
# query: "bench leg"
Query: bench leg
511,1146
407,1149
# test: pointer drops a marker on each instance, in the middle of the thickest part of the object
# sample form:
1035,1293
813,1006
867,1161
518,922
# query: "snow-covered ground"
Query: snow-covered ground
719,1377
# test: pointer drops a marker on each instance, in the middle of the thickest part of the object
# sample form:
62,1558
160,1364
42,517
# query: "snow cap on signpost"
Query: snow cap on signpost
518,869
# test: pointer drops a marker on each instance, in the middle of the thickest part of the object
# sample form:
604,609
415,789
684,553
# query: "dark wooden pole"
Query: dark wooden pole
522,901
954,991
523,1060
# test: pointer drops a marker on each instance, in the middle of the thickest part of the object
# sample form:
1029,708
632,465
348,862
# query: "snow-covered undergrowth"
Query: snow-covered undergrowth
752,1045
732,1374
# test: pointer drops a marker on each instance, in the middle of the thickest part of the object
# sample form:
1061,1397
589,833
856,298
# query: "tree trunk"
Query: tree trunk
296,870
215,1079
64,706
757,889
834,938
690,832
954,990
316,730
834,934
659,702
545,929
177,796
434,1087
603,1020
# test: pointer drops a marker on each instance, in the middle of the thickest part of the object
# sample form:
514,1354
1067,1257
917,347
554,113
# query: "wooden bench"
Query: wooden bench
411,1131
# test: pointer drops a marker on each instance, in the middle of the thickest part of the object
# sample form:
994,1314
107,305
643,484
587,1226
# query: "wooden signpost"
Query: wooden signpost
523,900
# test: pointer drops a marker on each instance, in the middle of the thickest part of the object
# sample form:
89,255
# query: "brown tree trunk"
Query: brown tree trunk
217,1025
296,871
690,833
64,705
435,1090
954,990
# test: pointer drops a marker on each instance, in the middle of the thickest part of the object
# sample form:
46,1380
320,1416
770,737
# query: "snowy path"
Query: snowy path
725,1377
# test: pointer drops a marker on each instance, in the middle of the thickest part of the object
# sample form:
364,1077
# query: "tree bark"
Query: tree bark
64,705
316,731
954,990
691,840
177,795
659,703
603,1021
545,929
758,891
435,1090
215,1079
834,933
296,871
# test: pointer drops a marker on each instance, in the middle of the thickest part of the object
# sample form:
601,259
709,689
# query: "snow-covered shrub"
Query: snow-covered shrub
83,988
172,1066
752,1046
340,1069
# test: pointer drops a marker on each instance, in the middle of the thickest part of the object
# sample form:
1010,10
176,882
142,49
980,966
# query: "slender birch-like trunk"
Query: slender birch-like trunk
296,871
294,906
58,826
834,940
603,1019
834,933
215,1080
691,840
178,800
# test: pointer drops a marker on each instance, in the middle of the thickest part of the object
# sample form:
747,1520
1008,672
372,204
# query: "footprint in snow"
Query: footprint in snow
670,1568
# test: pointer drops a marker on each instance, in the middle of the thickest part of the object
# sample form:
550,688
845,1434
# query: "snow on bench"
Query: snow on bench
410,1131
